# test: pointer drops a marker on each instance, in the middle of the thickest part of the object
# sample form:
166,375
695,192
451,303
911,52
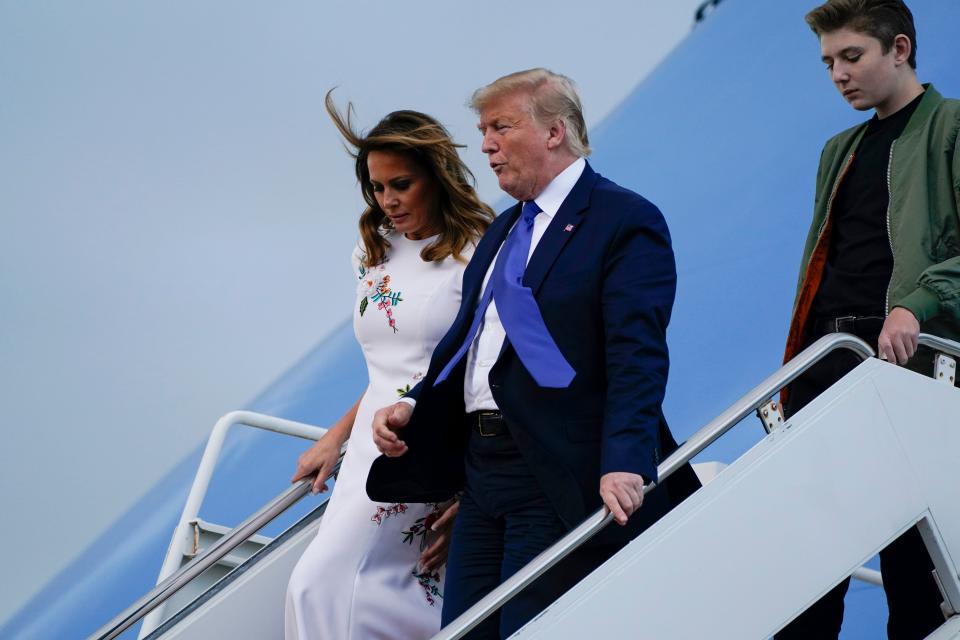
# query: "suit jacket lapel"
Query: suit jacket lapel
562,227
480,263
486,251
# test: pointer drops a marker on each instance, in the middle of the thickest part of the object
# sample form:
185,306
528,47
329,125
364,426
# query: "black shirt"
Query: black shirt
860,261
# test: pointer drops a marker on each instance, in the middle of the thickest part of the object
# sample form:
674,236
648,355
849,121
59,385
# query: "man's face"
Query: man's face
864,75
516,145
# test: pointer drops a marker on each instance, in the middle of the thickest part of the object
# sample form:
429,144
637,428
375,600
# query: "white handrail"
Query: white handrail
697,443
870,576
940,344
201,483
152,600
549,557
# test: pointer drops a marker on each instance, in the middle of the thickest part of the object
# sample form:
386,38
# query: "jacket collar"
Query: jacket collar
487,250
561,229
929,103
554,238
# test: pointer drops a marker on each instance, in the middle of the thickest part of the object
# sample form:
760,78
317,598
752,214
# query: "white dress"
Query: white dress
359,579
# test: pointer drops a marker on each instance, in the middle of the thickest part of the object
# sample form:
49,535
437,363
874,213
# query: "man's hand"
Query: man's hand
386,423
622,493
435,556
898,338
319,459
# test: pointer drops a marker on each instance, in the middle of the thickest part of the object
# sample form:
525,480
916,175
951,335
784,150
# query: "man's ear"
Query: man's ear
902,48
556,133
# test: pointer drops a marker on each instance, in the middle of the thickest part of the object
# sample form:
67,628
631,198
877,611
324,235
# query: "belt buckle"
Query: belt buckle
480,417
837,322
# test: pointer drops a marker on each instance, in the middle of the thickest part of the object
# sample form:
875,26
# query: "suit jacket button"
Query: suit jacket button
494,386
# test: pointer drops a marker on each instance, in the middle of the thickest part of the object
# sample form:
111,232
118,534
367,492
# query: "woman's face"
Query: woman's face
405,192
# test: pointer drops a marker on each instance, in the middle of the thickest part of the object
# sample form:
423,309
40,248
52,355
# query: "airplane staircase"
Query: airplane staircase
873,456
805,507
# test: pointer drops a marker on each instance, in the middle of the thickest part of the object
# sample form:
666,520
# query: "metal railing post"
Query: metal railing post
201,482
208,463
166,588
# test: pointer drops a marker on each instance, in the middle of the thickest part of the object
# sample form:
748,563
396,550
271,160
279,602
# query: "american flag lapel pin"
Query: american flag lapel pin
568,228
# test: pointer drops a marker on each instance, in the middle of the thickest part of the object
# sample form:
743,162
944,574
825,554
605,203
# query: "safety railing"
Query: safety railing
945,366
173,579
944,370
940,345
208,463
237,573
749,403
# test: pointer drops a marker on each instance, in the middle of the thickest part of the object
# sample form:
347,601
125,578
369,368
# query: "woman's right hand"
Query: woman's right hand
319,459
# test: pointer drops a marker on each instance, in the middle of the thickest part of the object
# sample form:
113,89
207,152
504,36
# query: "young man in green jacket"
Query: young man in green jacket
882,259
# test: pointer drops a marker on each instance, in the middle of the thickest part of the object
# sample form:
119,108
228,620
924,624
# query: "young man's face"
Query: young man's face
865,76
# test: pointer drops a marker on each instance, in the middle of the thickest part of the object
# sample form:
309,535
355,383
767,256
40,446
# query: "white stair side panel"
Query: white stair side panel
937,467
785,522
949,631
251,607
707,471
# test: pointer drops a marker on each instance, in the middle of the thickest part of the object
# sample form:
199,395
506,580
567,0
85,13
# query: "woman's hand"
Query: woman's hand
435,556
319,459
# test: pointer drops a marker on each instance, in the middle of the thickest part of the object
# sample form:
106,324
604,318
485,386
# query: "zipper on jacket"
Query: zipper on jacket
886,300
796,323
826,218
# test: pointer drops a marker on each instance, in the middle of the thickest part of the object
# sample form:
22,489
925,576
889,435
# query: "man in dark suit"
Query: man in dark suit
543,401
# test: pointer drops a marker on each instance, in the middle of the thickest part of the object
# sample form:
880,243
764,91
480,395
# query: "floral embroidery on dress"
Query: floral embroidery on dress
429,581
404,390
385,512
374,288
386,299
421,526
365,286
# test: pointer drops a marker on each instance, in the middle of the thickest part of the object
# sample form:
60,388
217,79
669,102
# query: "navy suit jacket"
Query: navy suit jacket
603,275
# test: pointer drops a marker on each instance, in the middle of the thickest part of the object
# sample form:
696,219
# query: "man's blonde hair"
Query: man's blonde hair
552,96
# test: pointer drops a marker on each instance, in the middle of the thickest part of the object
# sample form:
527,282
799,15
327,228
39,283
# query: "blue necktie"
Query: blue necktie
518,311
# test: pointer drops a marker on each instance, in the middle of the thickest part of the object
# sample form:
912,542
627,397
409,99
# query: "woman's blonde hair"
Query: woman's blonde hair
461,216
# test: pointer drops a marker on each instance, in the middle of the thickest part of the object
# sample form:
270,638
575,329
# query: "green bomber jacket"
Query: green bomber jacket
923,219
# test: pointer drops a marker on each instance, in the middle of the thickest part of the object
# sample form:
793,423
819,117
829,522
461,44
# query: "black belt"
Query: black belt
487,423
858,325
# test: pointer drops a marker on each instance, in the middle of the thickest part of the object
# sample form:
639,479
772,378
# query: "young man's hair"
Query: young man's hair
881,19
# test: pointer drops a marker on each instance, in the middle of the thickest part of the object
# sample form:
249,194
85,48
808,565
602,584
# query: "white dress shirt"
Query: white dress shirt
486,346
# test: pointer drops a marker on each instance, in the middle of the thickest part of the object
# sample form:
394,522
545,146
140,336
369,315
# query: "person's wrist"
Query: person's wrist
341,435
335,435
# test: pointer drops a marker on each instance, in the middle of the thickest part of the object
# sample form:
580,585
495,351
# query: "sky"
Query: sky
177,212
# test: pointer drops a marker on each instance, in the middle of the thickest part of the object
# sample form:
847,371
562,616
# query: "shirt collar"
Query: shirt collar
560,187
